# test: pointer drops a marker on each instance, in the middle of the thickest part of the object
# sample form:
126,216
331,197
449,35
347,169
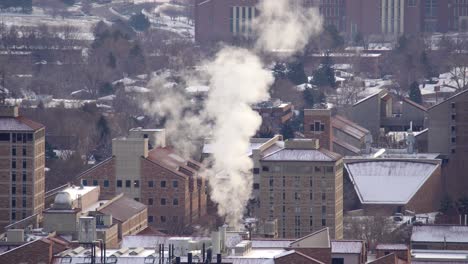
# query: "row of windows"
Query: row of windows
23,189
163,201
16,137
302,169
23,202
13,215
14,152
163,219
128,183
14,164
14,178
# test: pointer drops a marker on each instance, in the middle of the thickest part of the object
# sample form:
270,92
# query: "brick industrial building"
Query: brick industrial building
168,184
22,174
302,187
231,20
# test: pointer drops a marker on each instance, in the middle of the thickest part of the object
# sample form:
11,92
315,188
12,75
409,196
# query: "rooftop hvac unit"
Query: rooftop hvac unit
87,230
271,227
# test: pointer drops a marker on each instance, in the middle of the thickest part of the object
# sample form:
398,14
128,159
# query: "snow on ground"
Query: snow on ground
444,84
197,89
84,24
179,26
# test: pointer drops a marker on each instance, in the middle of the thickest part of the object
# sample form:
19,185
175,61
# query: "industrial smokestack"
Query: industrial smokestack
203,252
218,259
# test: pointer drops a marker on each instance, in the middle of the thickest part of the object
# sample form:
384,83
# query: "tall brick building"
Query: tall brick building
302,187
22,159
168,184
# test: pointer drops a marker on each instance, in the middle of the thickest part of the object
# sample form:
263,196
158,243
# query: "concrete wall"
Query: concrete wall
61,222
367,115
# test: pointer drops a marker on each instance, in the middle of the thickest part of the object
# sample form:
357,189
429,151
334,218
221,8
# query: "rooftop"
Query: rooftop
440,234
349,127
347,247
388,181
302,155
392,247
169,159
19,124
122,208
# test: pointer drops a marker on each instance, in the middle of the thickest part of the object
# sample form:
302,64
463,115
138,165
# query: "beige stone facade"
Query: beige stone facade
22,161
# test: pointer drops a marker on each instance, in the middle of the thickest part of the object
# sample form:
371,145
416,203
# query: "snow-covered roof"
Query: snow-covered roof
301,155
197,89
271,243
388,181
440,234
136,89
424,256
392,247
346,247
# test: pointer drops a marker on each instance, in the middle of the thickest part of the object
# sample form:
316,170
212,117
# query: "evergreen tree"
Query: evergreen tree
415,93
287,131
279,70
427,66
112,61
296,73
325,74
139,22
103,129
336,39
308,96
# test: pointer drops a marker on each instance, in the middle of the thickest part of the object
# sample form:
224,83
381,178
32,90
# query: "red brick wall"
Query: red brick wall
401,254
323,136
389,259
102,171
320,254
427,199
295,258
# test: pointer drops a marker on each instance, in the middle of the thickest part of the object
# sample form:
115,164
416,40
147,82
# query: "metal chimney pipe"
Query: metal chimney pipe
209,255
218,259
203,252
159,253
189,257
173,250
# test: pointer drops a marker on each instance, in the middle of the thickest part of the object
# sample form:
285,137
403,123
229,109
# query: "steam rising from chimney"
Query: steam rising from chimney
237,78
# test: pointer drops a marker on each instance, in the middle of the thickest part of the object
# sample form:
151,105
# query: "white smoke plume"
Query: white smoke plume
285,25
237,78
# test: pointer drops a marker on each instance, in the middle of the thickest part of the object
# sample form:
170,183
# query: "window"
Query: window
24,176
175,184
151,184
84,182
163,184
297,196
150,201
13,164
24,202
340,260
106,183
150,219
454,140
13,176
175,219
163,219
324,196
24,189
19,137
163,201
95,183
30,137
24,151
284,196
317,169
136,199
324,210
23,215
256,186
119,183
128,183
311,221
24,164
329,169
13,151
256,171
136,184
265,168
4,136
13,203
13,215
324,222
271,182
175,201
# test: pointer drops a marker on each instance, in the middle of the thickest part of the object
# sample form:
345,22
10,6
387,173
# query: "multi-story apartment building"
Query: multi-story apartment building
167,183
22,174
302,187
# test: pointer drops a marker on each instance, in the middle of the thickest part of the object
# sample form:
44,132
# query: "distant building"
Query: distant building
339,134
402,251
440,237
22,163
301,185
37,251
112,219
384,112
448,134
274,115
168,184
